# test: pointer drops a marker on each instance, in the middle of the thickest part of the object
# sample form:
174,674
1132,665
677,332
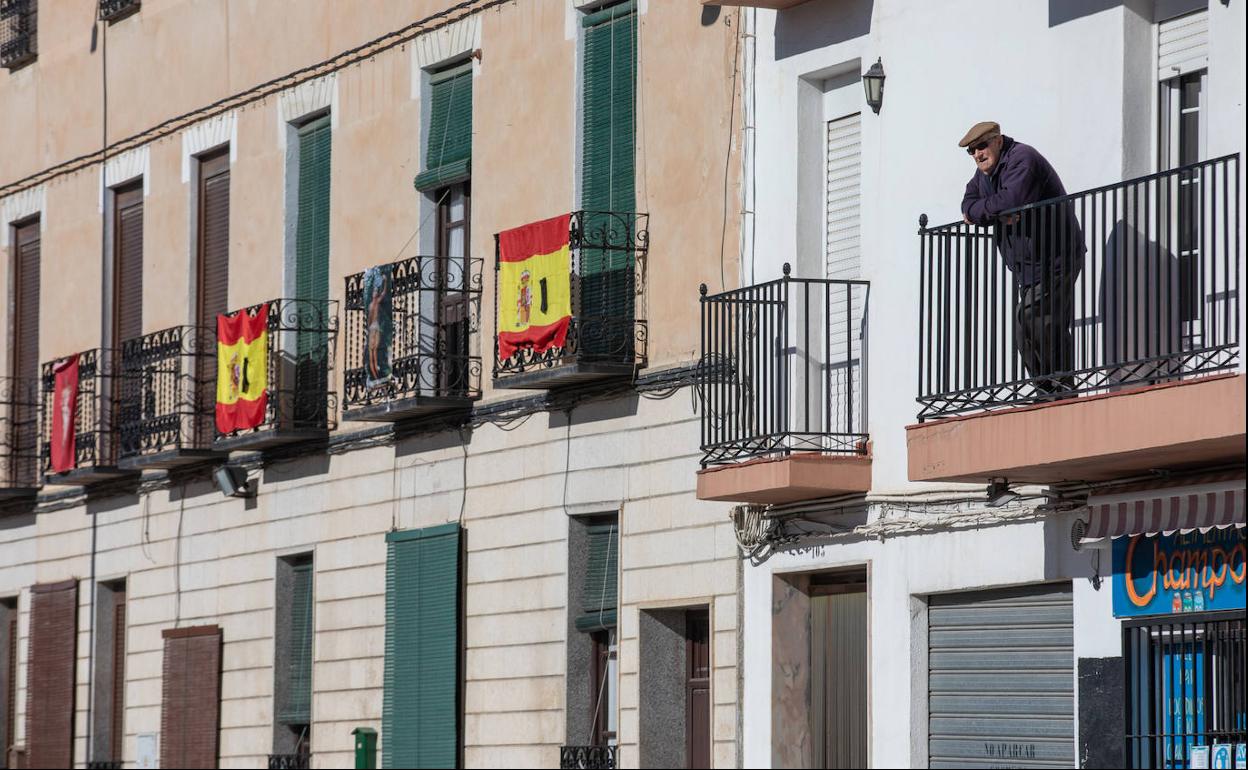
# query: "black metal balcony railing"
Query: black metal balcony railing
608,257
95,411
104,764
167,388
17,32
290,761
302,335
435,307
19,434
1136,283
588,757
112,10
784,369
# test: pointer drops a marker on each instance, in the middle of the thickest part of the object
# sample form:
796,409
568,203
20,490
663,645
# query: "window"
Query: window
190,703
422,699
675,687
50,673
8,677
448,139
292,656
593,610
17,32
212,271
454,209
23,411
109,689
311,274
127,289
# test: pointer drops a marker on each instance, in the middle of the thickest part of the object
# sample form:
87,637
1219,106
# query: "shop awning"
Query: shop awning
1165,510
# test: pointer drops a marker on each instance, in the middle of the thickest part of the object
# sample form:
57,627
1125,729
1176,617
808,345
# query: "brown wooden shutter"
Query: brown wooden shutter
8,700
50,674
191,697
117,714
214,237
25,353
128,264
698,688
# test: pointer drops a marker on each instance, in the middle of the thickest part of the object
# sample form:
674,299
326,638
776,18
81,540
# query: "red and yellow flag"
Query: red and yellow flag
242,369
534,288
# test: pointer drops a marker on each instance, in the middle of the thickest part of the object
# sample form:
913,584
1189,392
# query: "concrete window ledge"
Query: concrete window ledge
1167,426
790,479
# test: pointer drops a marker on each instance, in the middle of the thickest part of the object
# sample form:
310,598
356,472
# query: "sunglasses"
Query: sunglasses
974,148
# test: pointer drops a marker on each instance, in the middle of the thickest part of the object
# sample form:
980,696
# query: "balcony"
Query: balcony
92,410
168,391
299,401
115,10
589,757
1119,359
290,761
605,338
782,391
19,438
17,32
409,327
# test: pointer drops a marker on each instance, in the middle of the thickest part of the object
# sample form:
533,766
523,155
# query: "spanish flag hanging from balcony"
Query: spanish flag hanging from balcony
534,287
242,369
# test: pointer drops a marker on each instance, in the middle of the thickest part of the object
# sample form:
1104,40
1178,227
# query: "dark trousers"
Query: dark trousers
1043,332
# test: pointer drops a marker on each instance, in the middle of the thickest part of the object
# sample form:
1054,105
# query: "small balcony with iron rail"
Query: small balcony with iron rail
116,10
18,32
409,332
20,476
1084,338
82,408
276,379
782,391
601,333
589,757
168,392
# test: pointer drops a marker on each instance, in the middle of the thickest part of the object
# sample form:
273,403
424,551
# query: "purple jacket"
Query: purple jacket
1044,241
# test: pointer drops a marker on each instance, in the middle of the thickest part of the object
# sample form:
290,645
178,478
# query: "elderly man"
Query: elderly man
1042,247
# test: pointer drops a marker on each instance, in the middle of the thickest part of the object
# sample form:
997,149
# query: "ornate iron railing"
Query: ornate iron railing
111,10
1130,284
290,761
95,410
19,433
422,348
17,32
608,272
784,369
167,388
104,764
589,757
302,338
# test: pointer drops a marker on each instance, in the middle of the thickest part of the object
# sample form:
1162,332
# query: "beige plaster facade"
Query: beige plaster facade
191,556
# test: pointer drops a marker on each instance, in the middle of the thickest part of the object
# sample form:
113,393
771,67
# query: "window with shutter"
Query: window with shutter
50,674
190,697
599,596
109,671
421,699
312,265
127,263
448,145
8,676
24,346
609,83
297,703
213,259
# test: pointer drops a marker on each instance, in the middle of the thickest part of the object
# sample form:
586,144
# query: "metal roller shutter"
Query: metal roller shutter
1001,678
1183,45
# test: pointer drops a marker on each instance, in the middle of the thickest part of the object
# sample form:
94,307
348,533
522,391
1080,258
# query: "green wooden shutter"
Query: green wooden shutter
298,709
599,597
312,270
448,151
420,702
608,173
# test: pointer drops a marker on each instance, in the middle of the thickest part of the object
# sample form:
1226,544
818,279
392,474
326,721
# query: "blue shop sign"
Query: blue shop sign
1172,574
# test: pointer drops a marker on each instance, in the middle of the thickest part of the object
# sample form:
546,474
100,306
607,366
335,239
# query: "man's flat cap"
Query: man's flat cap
984,130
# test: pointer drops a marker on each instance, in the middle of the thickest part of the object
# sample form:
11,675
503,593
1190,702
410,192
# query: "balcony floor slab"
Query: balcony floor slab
1170,426
790,479
562,376
170,458
406,408
266,439
90,474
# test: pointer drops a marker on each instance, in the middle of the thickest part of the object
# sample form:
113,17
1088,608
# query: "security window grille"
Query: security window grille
421,703
608,130
17,32
448,145
1187,685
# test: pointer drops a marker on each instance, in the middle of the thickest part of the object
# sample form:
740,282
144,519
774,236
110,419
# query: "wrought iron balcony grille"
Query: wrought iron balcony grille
95,413
104,764
607,335
112,10
168,393
17,32
784,369
435,307
1137,281
19,435
588,757
290,761
302,399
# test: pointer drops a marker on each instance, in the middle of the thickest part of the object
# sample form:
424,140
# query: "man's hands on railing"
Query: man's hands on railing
1009,219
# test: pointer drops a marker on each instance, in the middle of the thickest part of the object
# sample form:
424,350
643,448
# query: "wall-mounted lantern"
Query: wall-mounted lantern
873,83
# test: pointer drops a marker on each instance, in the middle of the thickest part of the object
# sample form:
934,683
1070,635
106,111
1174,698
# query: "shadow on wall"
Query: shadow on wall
1134,329
1062,11
816,25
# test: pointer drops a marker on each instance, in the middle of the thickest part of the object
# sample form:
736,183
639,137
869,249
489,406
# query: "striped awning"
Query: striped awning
1178,509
